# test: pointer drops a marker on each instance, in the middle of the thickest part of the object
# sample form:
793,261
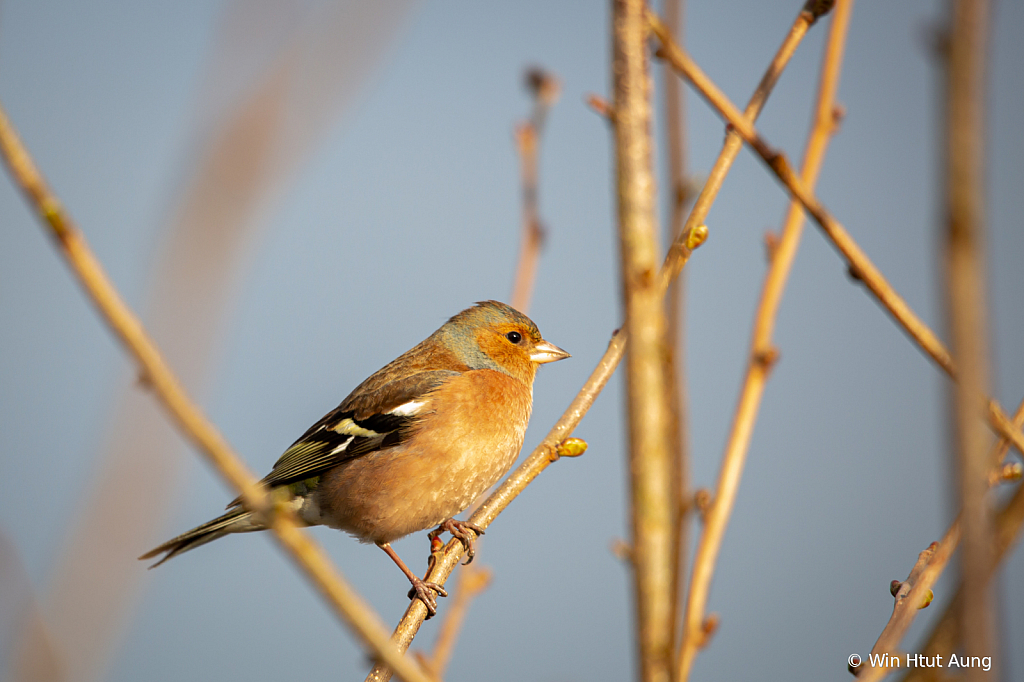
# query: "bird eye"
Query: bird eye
514,337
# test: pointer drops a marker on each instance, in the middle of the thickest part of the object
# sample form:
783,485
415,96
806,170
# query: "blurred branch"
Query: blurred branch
545,453
674,359
192,423
968,323
650,462
762,353
860,266
1009,431
946,633
473,580
545,90
272,85
916,587
29,653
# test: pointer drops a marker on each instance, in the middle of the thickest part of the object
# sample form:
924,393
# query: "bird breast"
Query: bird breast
469,434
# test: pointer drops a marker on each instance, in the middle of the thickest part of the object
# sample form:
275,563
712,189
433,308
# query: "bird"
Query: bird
411,446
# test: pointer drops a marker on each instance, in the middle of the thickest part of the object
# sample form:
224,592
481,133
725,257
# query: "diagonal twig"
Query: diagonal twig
305,553
676,257
694,234
473,580
913,590
762,353
859,264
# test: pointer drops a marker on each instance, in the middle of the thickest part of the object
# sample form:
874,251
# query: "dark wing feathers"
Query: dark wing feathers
362,423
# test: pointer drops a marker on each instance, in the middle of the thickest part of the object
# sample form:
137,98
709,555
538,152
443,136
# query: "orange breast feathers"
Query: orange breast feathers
470,433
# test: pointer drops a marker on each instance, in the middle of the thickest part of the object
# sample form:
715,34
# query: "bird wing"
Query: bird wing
366,421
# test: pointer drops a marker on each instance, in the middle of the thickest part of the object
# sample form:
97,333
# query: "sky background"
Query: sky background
395,205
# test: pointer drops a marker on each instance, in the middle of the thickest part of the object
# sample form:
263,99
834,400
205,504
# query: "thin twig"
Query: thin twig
650,460
903,612
545,89
676,257
946,631
306,554
858,263
762,353
693,236
674,363
1009,431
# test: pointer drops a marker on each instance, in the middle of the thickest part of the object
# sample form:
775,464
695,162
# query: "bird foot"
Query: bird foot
424,591
459,529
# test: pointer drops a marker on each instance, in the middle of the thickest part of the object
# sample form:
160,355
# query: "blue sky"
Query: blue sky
398,207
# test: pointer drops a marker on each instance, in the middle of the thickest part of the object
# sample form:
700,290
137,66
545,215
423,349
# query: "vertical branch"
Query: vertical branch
551,447
675,355
965,290
762,352
649,453
545,89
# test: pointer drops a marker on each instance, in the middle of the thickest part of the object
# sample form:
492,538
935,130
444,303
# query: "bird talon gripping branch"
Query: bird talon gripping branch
458,530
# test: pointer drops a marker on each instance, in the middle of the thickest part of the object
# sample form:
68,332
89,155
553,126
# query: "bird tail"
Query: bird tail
235,521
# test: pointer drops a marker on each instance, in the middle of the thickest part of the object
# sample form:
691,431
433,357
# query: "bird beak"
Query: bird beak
547,352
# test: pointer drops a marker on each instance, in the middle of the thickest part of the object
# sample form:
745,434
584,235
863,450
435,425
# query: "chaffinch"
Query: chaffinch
412,445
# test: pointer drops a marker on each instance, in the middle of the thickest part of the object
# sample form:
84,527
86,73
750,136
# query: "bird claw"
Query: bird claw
423,591
459,529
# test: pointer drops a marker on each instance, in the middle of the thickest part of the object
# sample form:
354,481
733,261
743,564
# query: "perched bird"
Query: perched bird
412,445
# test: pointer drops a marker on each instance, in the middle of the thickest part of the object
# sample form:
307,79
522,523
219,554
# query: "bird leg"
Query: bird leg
420,589
458,530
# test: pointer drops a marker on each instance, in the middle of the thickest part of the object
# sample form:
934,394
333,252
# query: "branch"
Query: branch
674,362
472,581
545,89
860,266
676,258
555,445
946,632
650,461
691,238
965,292
306,554
914,591
762,353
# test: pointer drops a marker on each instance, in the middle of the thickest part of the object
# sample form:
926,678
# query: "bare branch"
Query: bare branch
674,362
762,353
693,236
650,461
858,263
676,257
903,613
473,580
966,303
306,554
545,89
